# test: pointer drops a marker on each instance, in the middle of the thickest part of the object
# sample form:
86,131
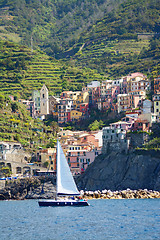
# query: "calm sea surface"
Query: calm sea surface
103,219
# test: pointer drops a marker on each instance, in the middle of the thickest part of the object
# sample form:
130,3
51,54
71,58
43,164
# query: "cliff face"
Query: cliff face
117,171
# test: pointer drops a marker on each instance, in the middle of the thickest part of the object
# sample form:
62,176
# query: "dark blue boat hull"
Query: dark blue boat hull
57,203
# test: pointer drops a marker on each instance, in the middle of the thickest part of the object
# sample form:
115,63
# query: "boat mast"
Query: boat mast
56,168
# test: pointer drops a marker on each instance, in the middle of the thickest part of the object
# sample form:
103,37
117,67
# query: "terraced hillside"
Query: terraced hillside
122,41
17,125
23,70
107,56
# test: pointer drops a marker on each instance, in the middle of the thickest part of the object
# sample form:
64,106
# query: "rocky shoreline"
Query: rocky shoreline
37,188
124,194
28,188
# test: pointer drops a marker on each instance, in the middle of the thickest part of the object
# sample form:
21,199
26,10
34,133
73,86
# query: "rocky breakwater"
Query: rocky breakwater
28,188
125,194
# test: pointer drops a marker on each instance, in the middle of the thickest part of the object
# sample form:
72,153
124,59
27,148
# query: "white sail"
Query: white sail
65,181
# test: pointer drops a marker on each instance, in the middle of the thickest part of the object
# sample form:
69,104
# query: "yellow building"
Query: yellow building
75,115
47,158
82,97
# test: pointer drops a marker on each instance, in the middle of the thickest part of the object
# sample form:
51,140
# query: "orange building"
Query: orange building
87,138
140,125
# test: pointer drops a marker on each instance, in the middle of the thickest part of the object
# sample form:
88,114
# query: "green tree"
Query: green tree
51,143
2,99
55,127
94,126
14,107
45,164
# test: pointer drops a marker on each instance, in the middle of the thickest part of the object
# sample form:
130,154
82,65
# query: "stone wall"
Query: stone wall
119,146
138,139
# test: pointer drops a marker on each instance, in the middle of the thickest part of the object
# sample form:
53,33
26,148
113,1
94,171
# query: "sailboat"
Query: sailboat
65,185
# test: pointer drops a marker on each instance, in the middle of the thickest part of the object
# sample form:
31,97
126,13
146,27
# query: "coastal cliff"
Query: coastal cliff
107,177
118,171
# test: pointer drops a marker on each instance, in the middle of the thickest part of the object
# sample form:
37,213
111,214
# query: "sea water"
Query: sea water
103,219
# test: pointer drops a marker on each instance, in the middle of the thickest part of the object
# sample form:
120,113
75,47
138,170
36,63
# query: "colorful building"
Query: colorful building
87,138
140,125
157,85
73,155
53,105
47,158
156,106
64,108
75,115
88,158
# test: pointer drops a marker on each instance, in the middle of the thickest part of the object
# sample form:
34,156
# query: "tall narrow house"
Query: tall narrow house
44,101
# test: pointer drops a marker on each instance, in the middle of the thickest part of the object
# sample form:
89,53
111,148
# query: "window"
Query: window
50,158
157,103
51,162
68,160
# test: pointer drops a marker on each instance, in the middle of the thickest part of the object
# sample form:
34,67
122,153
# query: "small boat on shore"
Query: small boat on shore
65,185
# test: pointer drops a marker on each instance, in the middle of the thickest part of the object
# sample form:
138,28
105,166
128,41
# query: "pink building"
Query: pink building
112,93
73,154
131,100
86,160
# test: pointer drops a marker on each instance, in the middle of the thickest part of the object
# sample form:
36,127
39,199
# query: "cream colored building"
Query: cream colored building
44,101
156,105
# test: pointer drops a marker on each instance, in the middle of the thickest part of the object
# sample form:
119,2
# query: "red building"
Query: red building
84,107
